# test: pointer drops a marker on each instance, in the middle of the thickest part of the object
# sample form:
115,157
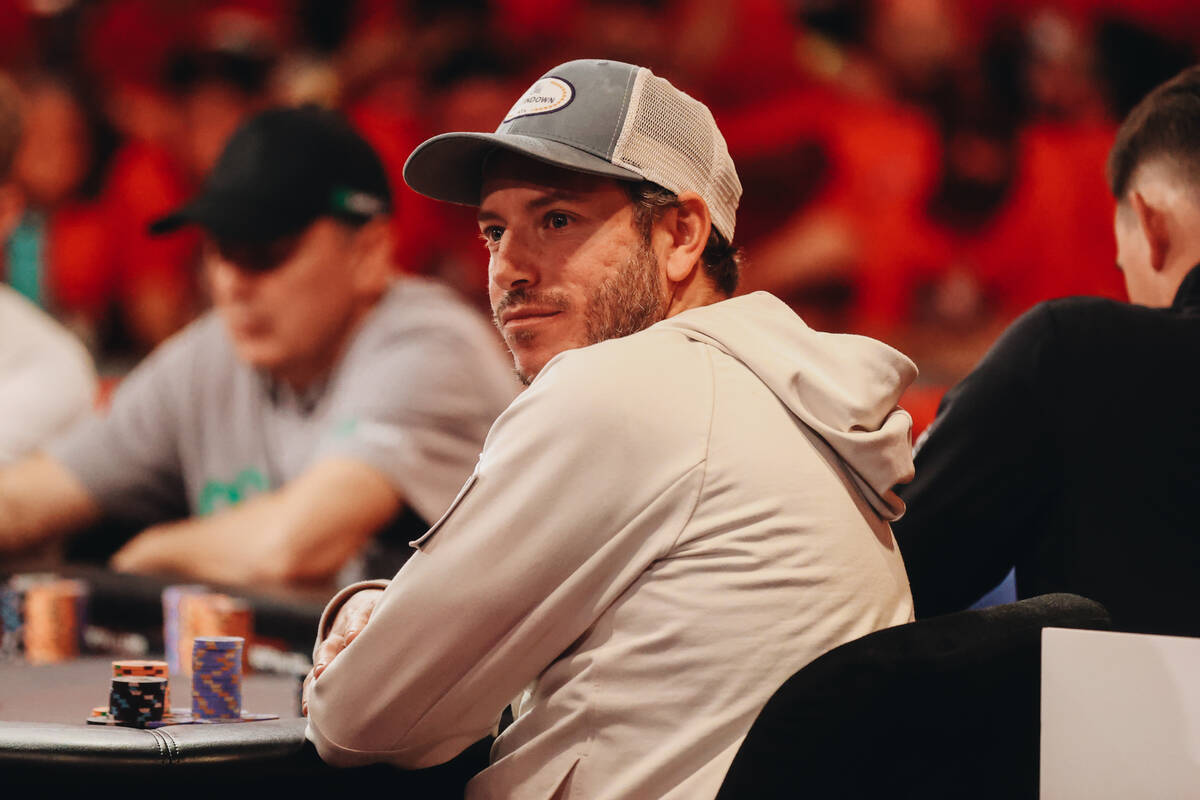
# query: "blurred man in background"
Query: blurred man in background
47,382
1071,451
271,439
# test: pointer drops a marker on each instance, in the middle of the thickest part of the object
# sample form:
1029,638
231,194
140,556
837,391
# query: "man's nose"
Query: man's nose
227,280
514,262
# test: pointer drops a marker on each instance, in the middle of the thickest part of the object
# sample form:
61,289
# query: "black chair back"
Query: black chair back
945,707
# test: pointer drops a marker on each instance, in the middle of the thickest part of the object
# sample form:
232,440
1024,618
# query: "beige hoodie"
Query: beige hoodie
659,532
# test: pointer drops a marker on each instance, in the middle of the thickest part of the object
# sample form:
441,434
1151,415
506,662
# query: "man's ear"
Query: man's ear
372,256
688,224
1152,223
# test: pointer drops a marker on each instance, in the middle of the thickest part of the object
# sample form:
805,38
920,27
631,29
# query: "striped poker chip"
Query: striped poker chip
177,653
11,621
219,643
211,616
137,699
134,667
12,610
55,616
217,677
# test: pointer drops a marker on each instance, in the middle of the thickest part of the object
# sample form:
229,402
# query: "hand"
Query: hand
142,553
350,620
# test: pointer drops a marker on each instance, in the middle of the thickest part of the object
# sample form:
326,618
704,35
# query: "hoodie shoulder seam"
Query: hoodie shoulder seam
712,400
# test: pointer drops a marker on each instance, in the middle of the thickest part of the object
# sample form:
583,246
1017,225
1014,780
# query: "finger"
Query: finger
120,560
329,648
354,619
358,616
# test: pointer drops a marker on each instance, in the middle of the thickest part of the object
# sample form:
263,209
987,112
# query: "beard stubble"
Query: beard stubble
627,301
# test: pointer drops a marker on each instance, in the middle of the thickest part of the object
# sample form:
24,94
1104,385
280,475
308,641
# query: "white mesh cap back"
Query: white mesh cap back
673,141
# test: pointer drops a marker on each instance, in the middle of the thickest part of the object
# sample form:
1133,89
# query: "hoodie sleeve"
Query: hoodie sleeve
985,472
585,481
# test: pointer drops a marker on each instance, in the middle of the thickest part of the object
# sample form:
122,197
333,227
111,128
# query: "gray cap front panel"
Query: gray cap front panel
593,119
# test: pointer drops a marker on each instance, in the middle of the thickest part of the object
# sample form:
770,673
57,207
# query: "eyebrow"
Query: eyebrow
548,199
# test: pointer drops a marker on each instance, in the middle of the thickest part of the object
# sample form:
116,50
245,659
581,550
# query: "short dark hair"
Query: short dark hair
721,258
1166,123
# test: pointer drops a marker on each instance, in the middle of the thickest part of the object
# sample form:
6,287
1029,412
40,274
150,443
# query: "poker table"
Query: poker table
46,742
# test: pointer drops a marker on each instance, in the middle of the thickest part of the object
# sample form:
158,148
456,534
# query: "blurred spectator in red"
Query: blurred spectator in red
47,381
829,237
473,88
177,81
381,95
924,187
125,47
58,251
921,170
1021,213
220,75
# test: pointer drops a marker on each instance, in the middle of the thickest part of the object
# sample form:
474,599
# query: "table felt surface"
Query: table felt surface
66,692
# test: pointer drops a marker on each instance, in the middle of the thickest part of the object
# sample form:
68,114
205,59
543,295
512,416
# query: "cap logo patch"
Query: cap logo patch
357,203
548,95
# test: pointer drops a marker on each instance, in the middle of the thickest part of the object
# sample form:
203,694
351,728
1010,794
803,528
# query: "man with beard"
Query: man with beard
688,503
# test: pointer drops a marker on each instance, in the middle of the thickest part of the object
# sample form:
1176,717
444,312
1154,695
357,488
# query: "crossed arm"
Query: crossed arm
39,500
553,528
302,532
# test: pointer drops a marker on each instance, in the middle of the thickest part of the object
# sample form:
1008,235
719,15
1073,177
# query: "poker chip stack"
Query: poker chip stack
213,615
55,618
12,611
11,622
137,699
177,655
217,677
138,668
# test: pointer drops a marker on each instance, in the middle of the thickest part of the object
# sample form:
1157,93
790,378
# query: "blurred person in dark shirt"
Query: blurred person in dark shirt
1070,451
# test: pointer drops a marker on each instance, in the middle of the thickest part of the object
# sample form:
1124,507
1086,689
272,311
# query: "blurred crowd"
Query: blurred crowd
919,170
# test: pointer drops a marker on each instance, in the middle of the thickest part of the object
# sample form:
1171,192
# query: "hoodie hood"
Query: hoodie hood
844,387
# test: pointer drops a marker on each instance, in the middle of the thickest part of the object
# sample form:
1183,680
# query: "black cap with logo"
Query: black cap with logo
279,172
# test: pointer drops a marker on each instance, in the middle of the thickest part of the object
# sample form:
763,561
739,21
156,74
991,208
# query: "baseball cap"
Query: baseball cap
280,171
599,117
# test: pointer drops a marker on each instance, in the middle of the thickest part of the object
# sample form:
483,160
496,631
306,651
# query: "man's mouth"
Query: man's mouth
527,315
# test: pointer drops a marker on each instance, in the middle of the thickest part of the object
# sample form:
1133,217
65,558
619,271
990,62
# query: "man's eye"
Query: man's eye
492,233
557,219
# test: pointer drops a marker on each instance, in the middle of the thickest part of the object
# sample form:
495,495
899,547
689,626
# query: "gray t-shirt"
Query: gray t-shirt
193,430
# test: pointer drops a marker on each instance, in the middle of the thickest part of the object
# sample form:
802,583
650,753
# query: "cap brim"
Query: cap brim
238,220
450,166
170,223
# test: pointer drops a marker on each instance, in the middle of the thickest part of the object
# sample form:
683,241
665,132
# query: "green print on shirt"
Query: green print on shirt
216,494
345,427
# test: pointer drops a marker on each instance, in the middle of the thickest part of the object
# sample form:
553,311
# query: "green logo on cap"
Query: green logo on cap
349,201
